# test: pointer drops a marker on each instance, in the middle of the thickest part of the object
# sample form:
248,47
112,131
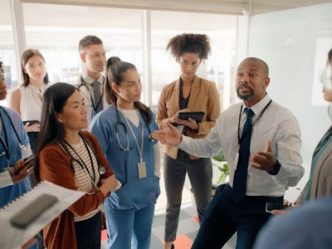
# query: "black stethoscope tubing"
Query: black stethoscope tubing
101,168
94,105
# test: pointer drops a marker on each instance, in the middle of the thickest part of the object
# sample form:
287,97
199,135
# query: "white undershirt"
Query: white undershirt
132,115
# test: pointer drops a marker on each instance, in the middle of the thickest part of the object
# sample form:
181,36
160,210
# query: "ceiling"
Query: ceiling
236,7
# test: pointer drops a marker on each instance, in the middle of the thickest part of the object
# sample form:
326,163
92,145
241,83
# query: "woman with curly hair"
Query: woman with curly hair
188,93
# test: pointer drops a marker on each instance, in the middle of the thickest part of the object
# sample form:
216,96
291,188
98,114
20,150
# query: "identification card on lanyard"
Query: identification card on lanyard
141,166
141,170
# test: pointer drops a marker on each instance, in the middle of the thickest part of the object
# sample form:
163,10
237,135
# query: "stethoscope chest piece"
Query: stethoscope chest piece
102,170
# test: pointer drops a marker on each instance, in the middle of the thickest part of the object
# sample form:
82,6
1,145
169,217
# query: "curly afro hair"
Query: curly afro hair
190,43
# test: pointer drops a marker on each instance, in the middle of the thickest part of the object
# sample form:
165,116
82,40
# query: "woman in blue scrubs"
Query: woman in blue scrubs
14,146
123,130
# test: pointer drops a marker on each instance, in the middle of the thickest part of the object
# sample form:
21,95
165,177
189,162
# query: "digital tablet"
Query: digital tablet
197,116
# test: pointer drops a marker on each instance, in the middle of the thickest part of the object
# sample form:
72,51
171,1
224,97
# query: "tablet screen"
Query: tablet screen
197,116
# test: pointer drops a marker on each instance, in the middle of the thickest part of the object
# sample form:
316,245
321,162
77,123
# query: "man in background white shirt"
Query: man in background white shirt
273,159
91,82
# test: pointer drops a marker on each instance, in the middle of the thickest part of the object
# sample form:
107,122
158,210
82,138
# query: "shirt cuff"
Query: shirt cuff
5,179
184,142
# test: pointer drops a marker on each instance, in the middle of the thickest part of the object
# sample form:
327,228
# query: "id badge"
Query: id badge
141,170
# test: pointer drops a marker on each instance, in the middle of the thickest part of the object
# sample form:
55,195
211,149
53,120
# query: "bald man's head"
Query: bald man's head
265,67
252,80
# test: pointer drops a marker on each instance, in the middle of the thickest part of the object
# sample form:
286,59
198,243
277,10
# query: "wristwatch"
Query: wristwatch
276,169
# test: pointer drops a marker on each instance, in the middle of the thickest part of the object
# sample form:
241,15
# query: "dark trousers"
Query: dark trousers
88,233
200,176
224,217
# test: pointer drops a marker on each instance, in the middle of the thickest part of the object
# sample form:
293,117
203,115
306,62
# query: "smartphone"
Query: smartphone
274,206
197,116
28,159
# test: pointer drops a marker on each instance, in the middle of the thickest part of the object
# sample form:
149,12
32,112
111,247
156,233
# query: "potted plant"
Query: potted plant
223,171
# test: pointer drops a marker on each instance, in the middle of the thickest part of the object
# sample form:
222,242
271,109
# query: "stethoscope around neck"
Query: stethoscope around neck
126,146
101,168
94,103
5,143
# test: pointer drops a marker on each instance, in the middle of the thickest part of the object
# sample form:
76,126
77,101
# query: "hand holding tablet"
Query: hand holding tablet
197,116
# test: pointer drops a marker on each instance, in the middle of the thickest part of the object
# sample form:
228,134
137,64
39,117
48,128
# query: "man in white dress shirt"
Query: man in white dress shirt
261,170
91,82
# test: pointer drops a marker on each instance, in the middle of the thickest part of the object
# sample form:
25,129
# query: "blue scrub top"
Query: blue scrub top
10,193
135,193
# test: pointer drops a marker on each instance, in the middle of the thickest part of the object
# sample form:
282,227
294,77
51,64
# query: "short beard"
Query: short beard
245,97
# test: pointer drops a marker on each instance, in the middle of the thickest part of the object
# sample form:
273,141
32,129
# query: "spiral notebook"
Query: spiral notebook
23,218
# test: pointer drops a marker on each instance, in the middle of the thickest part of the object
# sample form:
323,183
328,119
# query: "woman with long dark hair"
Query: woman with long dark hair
123,130
72,158
27,99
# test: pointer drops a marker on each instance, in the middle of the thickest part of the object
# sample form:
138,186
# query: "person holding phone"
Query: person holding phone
14,147
28,98
189,93
69,156
308,226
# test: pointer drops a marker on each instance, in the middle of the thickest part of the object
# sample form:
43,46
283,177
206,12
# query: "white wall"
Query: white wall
286,40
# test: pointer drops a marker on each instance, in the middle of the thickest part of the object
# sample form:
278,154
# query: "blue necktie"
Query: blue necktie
240,176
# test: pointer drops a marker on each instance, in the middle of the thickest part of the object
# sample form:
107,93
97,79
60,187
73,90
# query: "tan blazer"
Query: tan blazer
321,185
204,97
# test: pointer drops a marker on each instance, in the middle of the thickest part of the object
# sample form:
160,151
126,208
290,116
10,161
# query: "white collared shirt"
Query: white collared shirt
86,89
276,124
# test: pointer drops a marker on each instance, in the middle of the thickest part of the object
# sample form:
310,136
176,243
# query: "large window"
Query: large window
120,30
56,30
221,30
7,53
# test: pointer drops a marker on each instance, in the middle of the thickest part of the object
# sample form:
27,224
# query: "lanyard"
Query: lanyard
260,115
139,148
81,162
94,104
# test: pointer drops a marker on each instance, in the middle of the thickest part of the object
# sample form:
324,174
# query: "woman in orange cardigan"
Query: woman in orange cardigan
72,158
